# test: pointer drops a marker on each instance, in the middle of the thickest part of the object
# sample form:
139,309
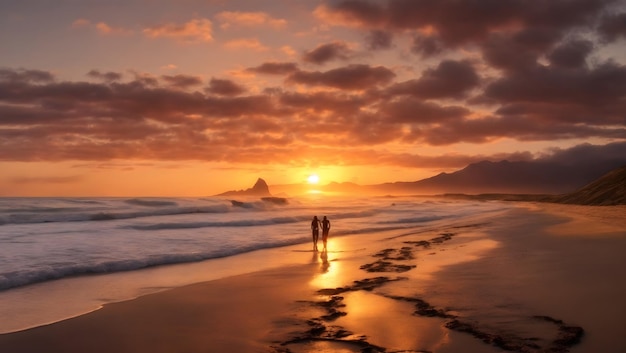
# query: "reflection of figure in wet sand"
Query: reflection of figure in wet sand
325,230
325,263
315,229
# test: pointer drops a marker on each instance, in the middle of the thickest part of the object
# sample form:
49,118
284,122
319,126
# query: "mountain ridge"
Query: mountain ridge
508,177
484,177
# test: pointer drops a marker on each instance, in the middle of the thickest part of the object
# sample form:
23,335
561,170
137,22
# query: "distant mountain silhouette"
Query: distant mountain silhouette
506,177
610,189
260,189
486,177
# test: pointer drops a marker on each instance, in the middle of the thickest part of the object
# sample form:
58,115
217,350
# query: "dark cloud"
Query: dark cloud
105,76
148,118
427,46
327,52
410,110
458,22
182,81
341,104
604,84
587,153
450,79
613,27
571,54
351,77
22,75
377,40
274,68
361,11
518,51
224,88
145,79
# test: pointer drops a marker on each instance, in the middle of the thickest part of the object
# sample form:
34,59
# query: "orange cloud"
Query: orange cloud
350,14
101,27
104,28
246,43
193,31
81,22
288,50
249,19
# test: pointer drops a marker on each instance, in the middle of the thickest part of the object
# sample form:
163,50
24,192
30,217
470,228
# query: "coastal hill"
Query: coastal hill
505,177
494,178
259,189
608,190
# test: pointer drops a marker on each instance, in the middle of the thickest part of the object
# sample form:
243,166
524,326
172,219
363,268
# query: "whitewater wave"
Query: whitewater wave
52,272
81,215
150,203
238,223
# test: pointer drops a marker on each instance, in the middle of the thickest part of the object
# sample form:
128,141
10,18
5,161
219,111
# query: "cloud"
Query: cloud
427,46
182,81
613,27
101,27
410,110
517,51
104,28
249,19
224,88
81,22
572,54
451,79
327,52
351,77
317,102
105,76
586,153
193,31
245,43
352,13
275,68
47,180
457,22
378,39
169,67
288,50
26,76
602,85
550,91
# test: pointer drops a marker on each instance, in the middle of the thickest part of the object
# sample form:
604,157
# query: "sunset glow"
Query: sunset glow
199,97
313,179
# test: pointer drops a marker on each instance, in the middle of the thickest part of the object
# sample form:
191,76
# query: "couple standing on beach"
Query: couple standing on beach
315,228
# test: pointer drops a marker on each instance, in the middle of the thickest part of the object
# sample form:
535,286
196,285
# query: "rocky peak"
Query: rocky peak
260,189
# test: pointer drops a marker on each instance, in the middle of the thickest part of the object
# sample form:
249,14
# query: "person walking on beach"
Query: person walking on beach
325,230
315,228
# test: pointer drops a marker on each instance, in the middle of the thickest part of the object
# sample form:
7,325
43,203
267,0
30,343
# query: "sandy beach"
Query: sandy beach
535,278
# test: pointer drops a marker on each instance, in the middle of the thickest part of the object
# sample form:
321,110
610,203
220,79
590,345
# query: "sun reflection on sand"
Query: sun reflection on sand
330,272
389,322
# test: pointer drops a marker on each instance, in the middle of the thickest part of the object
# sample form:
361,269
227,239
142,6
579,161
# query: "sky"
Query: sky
197,97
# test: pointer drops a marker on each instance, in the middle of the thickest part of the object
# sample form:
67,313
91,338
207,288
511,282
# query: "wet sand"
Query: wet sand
532,279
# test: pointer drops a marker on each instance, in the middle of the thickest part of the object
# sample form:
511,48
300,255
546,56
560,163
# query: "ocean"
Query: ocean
45,239
62,257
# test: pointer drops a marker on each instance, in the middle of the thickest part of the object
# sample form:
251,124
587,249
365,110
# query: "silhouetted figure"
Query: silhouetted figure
325,230
315,228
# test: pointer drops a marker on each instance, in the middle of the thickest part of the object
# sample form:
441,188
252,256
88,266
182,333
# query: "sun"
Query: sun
313,179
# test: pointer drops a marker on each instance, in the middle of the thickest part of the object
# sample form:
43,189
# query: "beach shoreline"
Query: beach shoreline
522,279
